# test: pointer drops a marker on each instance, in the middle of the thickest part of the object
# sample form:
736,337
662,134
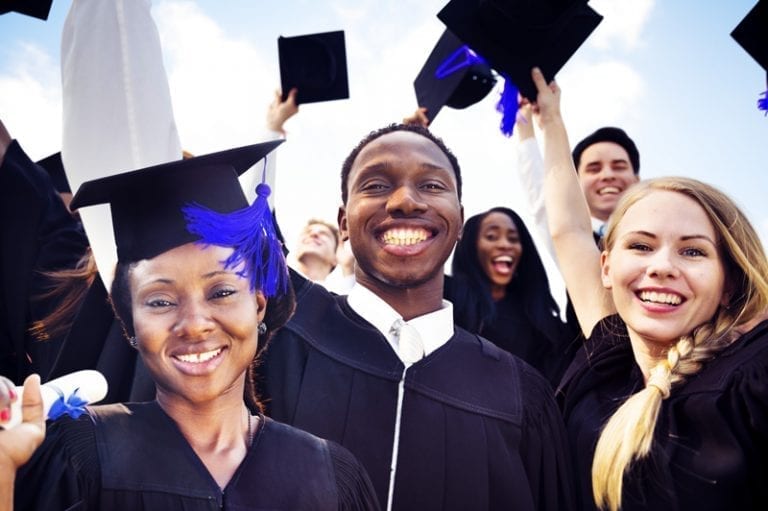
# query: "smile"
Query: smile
503,264
405,237
664,298
612,190
199,358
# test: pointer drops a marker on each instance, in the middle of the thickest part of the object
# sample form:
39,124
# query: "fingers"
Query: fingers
32,402
538,80
7,397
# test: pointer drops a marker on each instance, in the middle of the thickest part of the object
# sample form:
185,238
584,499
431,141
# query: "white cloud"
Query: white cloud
219,85
623,22
30,99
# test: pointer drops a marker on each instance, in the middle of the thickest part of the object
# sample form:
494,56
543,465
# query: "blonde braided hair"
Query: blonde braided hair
628,434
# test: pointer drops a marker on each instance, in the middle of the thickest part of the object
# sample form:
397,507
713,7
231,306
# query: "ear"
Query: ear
605,268
461,228
341,218
261,305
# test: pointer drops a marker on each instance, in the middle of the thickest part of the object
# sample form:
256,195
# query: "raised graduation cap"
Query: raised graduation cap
55,168
453,76
516,35
315,64
146,204
752,34
35,8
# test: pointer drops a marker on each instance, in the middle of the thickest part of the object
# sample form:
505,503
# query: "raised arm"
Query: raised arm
568,215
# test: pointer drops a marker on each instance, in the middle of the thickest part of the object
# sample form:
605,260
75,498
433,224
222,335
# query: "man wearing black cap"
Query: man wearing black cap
440,418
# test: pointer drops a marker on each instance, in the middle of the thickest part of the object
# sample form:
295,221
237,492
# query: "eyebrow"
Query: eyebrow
682,238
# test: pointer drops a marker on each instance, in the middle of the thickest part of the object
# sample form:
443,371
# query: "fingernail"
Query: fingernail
5,414
11,394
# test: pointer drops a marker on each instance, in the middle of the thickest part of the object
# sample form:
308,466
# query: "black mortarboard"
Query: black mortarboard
516,35
453,75
752,33
315,64
55,168
146,204
34,8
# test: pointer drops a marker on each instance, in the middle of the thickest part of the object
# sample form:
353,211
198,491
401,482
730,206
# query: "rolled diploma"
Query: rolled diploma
91,384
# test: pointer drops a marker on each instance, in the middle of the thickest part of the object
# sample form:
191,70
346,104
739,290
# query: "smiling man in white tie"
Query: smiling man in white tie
440,418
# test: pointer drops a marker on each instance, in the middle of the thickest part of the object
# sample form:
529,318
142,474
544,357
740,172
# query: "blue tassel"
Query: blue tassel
507,105
251,232
762,102
74,406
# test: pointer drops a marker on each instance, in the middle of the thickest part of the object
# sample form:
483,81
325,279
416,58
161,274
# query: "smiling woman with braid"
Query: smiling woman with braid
666,405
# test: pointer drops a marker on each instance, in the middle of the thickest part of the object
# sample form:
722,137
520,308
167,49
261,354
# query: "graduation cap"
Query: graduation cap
55,168
315,64
516,35
34,8
165,206
453,75
752,34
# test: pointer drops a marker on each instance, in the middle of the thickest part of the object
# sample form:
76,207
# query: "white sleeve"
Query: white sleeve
530,165
117,112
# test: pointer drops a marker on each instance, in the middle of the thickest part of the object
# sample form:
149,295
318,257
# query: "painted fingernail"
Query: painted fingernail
5,414
11,394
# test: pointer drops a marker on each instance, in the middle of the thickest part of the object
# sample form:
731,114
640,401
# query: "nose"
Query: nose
662,265
194,321
405,200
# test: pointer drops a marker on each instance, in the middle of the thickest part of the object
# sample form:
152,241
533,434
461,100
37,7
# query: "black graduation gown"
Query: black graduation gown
479,428
710,449
133,457
37,234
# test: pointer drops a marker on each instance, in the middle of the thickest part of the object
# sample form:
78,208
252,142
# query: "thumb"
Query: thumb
32,402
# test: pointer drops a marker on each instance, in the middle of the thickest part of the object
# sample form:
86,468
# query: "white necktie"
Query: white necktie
409,343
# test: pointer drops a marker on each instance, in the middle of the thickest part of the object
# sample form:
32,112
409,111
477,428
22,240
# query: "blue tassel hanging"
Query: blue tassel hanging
508,106
251,232
762,102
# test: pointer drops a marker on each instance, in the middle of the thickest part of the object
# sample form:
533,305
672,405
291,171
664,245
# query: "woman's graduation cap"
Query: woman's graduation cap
35,8
197,199
453,75
752,34
315,64
515,36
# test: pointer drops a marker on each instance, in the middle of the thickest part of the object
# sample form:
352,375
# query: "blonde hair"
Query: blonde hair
628,434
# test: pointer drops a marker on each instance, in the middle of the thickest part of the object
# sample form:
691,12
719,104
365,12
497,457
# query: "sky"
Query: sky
667,72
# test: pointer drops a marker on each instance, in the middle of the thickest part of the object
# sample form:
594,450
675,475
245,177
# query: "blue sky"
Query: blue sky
667,72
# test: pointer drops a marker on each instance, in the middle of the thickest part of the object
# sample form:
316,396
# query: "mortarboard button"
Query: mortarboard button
315,64
146,204
516,35
453,75
35,8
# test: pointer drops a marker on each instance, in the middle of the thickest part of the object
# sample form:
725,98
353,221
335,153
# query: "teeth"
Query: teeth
666,298
197,358
404,236
504,259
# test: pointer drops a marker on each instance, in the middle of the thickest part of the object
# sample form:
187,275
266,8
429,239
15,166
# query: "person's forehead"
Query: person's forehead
403,145
602,150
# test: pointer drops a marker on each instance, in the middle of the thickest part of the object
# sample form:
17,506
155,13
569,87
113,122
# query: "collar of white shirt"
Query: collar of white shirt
596,224
435,328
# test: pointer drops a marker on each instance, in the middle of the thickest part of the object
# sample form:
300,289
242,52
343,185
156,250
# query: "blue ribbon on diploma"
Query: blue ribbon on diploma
762,102
73,405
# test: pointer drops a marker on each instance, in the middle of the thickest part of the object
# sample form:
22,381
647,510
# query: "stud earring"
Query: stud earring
262,328
133,342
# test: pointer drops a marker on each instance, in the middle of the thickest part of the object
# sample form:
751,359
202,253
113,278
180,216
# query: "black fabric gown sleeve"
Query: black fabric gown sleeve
37,234
63,473
354,486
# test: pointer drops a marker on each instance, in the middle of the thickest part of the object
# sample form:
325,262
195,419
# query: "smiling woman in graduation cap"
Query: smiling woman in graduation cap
200,287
